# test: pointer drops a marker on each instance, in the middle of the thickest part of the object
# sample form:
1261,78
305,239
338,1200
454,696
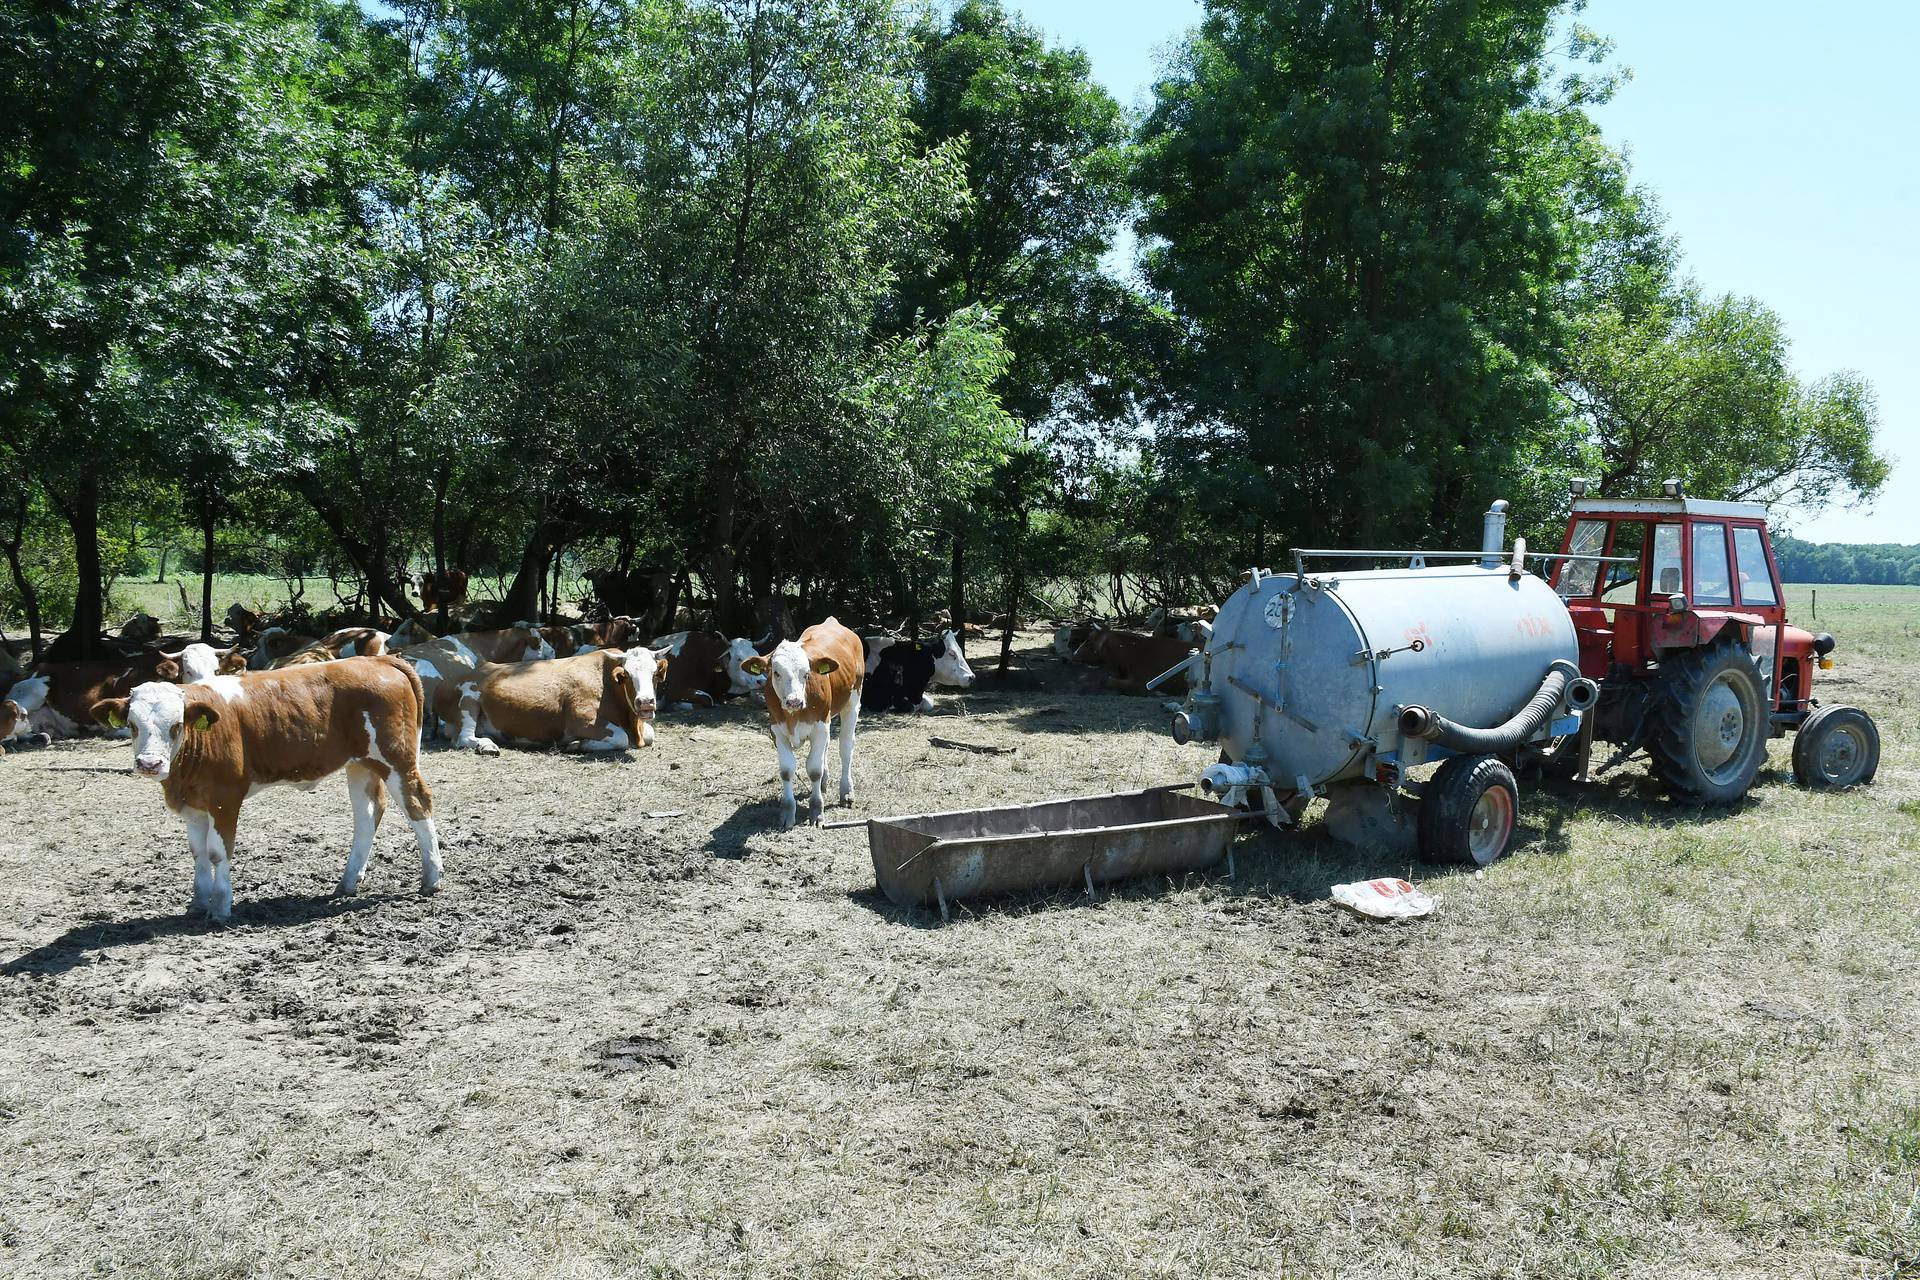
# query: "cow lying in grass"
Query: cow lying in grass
65,707
707,668
899,671
602,700
211,745
809,682
1131,659
21,700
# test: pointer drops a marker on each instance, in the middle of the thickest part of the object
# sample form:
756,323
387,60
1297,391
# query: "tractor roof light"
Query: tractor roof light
1671,488
1577,486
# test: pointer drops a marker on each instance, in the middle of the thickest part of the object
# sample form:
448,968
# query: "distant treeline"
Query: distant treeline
1880,563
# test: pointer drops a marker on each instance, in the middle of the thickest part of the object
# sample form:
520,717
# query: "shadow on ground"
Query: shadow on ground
74,947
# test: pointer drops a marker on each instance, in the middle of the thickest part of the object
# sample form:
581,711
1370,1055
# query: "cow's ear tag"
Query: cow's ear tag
825,666
116,720
201,722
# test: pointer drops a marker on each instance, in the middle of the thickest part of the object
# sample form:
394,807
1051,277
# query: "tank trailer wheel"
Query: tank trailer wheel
1711,727
1467,811
1836,747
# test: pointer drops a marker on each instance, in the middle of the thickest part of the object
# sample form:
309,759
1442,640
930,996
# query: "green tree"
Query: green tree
154,182
1701,389
1364,212
1047,155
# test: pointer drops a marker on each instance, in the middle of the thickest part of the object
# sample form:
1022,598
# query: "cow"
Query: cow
13,721
73,688
620,632
1072,635
809,682
244,622
200,662
347,642
707,668
898,671
212,745
276,644
1131,659
602,700
517,643
1192,623
139,631
434,589
22,698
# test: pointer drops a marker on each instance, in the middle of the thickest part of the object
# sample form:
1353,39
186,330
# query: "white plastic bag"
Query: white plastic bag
1383,899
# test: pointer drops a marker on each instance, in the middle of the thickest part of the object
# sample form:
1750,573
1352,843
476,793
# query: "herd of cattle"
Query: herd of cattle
214,725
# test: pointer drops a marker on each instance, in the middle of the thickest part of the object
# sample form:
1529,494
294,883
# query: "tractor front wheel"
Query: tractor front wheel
1711,725
1836,747
1467,810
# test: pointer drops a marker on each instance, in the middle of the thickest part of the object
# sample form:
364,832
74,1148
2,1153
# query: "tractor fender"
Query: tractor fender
1697,628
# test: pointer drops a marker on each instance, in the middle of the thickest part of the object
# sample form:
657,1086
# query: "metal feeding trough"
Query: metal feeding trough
932,859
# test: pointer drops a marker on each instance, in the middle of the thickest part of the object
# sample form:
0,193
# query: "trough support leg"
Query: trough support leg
1086,870
940,896
1229,864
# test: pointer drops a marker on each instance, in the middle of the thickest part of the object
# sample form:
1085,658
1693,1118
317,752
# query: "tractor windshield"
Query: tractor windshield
1623,580
1667,568
1577,577
1756,575
1712,583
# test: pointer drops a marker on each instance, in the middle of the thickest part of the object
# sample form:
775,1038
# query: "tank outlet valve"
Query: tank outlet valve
1581,694
1199,720
1229,779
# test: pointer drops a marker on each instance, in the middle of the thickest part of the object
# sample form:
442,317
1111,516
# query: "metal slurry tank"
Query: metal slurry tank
1318,668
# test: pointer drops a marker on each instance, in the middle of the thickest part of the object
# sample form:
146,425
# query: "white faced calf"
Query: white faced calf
809,682
211,745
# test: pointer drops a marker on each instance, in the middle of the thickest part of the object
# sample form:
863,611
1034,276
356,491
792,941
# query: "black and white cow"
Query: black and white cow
899,671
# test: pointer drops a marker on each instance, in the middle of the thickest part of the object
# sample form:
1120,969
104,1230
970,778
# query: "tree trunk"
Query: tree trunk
1016,585
206,572
29,594
82,511
166,551
379,579
441,480
957,593
530,578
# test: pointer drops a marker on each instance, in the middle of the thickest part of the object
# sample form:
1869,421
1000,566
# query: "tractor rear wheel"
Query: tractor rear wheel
1467,811
1711,724
1836,747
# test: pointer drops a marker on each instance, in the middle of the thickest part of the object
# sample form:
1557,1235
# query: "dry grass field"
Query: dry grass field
1654,1042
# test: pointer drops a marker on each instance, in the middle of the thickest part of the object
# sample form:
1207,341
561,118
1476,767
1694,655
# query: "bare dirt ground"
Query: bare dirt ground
1652,1043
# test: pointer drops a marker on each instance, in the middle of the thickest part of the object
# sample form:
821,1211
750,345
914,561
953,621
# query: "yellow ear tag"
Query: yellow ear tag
116,720
201,722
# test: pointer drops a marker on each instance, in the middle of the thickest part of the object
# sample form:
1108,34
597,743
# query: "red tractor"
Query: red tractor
1677,606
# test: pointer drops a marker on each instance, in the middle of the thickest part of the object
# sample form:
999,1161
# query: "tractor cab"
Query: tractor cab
1655,585
1664,573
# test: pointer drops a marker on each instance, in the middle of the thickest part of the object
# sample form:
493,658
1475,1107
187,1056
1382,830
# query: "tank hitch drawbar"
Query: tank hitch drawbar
1563,683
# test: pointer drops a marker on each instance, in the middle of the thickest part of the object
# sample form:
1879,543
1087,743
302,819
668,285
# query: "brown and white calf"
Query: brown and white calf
17,704
66,708
1132,659
707,668
518,643
347,642
212,745
276,644
809,682
601,700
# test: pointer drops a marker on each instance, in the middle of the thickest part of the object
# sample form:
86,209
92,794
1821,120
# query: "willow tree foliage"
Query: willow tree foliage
1361,211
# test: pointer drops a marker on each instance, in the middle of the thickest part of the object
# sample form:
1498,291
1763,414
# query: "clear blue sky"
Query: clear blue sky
1781,137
